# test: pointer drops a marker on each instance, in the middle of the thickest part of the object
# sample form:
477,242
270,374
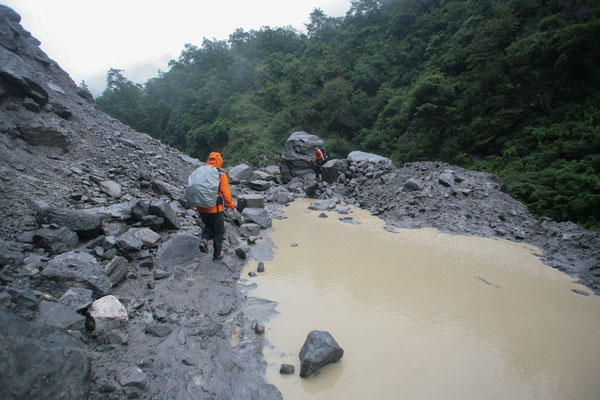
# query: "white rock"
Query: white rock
108,313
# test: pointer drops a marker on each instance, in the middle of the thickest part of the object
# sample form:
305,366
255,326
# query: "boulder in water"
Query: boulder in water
319,349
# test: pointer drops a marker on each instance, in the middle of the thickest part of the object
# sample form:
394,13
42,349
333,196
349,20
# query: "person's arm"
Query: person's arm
224,191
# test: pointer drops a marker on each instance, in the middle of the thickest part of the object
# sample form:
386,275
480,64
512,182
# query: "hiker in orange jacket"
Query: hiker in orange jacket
319,161
213,218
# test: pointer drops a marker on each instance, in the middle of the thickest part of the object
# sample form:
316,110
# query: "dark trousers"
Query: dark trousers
318,165
214,229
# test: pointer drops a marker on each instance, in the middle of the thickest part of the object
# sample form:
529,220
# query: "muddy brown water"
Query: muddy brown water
424,315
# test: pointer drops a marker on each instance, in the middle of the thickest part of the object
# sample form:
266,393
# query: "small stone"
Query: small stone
322,215
241,253
160,331
261,267
259,328
294,245
287,369
252,274
188,362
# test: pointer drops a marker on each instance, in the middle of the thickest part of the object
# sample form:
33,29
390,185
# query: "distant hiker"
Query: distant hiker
208,189
319,161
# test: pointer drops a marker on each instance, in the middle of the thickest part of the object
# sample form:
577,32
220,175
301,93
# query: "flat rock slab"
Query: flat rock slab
259,216
75,269
84,223
179,251
60,316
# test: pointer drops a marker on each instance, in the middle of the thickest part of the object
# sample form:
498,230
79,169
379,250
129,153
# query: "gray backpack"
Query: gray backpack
203,187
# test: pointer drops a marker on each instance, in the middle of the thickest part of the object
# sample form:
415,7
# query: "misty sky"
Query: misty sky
87,37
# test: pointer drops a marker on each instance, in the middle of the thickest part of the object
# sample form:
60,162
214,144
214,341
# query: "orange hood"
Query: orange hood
215,160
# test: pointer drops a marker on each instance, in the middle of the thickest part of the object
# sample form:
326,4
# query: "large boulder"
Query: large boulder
15,77
360,156
84,223
164,210
319,349
56,241
250,201
332,169
111,188
41,362
259,216
60,316
297,152
241,173
75,269
167,189
44,134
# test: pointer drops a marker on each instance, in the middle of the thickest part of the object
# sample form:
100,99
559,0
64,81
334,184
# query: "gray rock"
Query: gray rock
297,152
60,316
116,269
61,110
41,362
241,253
323,215
447,178
287,369
129,243
140,210
343,209
284,197
250,201
75,269
160,331
77,298
323,205
247,230
259,328
311,188
332,169
240,173
319,349
259,216
260,267
179,251
15,77
133,376
84,223
360,156
113,189
412,185
108,313
260,185
164,210
56,241
44,134
167,189
273,170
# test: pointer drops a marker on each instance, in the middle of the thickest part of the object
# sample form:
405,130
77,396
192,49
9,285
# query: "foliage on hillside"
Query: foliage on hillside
506,86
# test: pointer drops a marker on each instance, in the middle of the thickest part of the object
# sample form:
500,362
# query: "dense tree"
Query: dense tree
507,86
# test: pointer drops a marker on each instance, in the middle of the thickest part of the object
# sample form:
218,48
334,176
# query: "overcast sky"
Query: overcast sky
87,37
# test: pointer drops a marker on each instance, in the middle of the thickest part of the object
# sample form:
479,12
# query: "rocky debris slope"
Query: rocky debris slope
103,290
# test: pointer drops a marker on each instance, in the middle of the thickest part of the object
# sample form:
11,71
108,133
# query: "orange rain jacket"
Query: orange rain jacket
318,155
215,160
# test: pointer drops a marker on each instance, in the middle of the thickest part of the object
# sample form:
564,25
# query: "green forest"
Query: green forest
510,87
